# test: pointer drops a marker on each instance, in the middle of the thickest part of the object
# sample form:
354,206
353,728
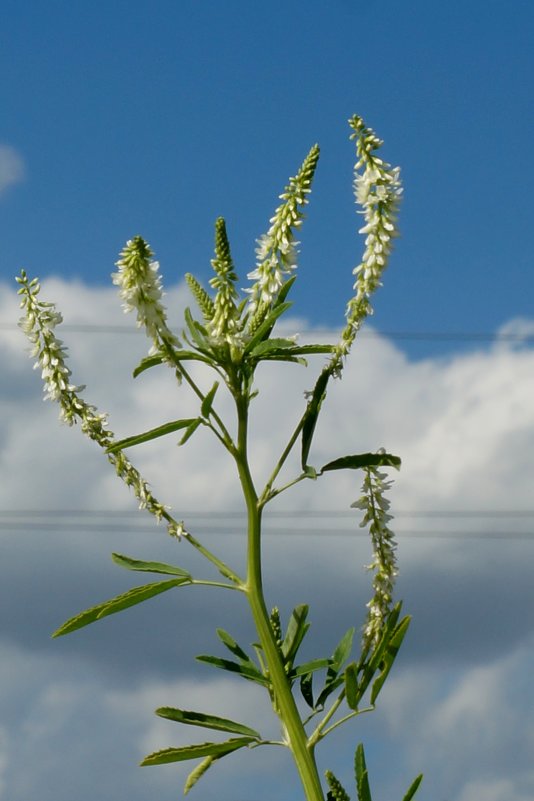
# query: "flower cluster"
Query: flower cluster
224,323
384,564
378,191
140,288
38,323
276,252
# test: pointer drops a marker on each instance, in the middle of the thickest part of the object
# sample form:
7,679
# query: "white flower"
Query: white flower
38,324
140,288
384,563
276,251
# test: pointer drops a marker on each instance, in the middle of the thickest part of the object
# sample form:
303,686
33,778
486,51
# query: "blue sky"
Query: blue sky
155,118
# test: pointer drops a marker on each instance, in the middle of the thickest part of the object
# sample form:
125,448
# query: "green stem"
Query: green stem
219,564
267,493
284,701
347,717
224,436
272,493
206,583
317,734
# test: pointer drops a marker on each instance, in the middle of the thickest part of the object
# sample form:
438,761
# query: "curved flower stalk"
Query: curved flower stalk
277,249
378,191
384,564
140,288
38,323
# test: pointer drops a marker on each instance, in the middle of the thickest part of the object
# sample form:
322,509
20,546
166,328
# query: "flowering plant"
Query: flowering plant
232,336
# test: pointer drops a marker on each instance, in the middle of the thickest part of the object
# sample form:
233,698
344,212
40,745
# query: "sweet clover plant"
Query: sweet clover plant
232,333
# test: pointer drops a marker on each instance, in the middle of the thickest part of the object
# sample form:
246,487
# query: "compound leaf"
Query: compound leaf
358,460
167,755
148,567
134,596
153,433
206,721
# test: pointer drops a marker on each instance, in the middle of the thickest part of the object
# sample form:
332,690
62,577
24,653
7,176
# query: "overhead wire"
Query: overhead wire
221,522
427,336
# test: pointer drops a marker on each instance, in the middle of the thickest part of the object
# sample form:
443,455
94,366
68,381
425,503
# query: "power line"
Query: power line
217,522
116,528
423,336
217,514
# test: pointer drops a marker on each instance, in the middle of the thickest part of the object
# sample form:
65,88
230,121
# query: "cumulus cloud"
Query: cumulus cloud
12,167
464,426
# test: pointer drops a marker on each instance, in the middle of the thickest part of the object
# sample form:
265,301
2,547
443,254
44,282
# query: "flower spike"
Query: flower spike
225,321
140,288
276,252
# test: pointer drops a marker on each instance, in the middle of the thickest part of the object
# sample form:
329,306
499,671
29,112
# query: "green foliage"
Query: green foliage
166,755
362,776
206,721
234,335
362,460
134,596
148,567
154,433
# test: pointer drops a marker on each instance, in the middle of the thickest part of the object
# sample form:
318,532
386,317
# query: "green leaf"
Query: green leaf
414,786
342,651
198,772
309,667
328,689
370,664
134,596
296,631
340,655
148,567
167,755
207,403
147,363
310,349
392,650
362,779
311,414
266,327
306,688
154,433
391,623
351,686
284,291
206,721
190,430
180,355
198,333
233,647
359,460
245,670
283,356
278,344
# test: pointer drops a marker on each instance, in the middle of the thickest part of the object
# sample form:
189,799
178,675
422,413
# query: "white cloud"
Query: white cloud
468,729
12,168
464,427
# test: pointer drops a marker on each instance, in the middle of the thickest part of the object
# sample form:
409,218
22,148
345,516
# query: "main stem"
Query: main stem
284,702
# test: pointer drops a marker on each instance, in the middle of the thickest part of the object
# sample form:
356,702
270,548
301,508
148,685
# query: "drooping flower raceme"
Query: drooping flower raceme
384,563
140,288
38,323
277,249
